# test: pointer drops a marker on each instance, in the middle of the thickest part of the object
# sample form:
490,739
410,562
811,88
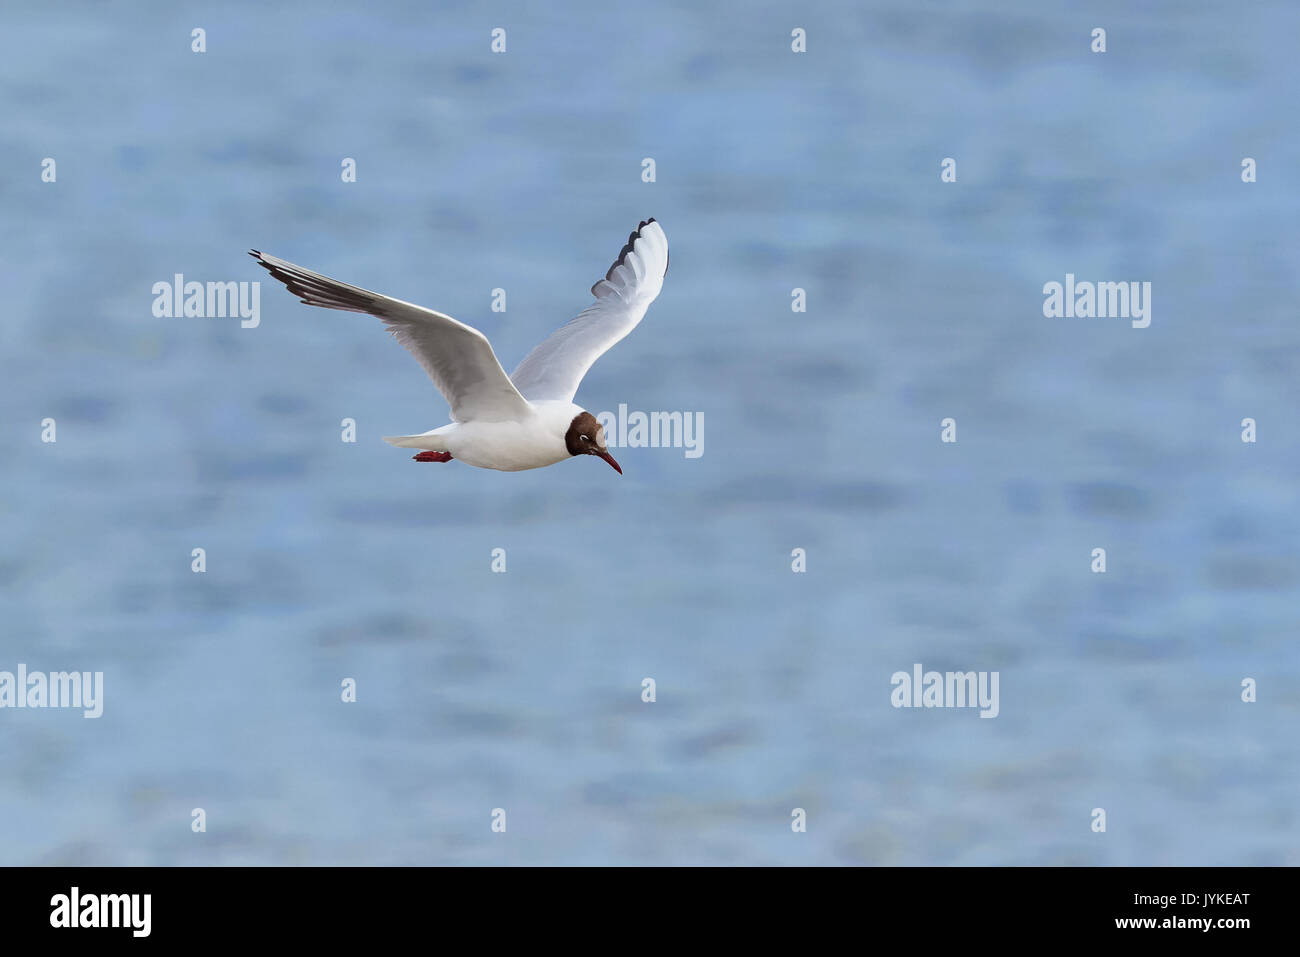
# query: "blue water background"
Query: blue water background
521,690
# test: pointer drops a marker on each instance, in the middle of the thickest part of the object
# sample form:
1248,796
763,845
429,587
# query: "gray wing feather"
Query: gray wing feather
458,358
554,369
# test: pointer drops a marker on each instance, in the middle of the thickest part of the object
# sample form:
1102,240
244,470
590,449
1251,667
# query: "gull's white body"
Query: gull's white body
515,422
511,445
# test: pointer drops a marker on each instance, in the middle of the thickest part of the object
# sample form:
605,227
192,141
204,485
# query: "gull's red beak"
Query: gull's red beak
610,459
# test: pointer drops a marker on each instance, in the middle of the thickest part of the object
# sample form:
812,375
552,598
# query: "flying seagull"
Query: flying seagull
525,420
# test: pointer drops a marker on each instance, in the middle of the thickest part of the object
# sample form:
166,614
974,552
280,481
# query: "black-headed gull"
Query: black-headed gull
525,420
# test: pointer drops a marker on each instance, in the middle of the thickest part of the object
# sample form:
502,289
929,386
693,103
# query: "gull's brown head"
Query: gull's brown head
586,436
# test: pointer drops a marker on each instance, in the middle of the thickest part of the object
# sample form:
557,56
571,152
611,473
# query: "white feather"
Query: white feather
554,369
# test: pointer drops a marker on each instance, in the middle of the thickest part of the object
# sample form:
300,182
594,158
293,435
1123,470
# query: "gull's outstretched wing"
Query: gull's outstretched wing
554,369
458,358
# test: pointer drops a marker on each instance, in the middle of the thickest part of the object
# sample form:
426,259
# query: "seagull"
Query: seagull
526,420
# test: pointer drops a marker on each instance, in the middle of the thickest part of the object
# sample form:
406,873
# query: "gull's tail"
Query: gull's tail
429,442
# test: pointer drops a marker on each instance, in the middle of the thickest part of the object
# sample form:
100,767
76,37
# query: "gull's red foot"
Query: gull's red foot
433,457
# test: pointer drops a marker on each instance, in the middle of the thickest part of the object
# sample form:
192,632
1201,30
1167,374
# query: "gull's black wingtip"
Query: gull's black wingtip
255,253
632,237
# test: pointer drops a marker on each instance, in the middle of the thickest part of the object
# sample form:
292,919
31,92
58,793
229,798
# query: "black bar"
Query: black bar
368,905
